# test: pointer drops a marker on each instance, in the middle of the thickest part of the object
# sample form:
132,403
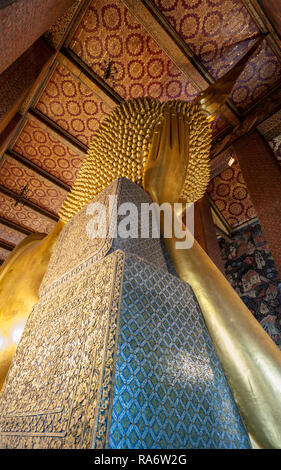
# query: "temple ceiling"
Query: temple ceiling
108,52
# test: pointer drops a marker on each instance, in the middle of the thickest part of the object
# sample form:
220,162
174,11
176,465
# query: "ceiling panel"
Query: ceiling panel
118,49
72,105
219,33
48,152
4,254
24,216
10,235
17,177
229,193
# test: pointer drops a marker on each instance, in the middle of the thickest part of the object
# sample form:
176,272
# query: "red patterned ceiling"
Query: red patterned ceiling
109,32
219,32
72,105
24,216
15,176
230,195
48,152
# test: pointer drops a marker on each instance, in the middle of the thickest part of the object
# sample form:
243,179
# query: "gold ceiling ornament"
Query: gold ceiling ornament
121,146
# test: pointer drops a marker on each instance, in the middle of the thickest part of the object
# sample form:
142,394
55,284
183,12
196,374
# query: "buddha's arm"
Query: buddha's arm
251,361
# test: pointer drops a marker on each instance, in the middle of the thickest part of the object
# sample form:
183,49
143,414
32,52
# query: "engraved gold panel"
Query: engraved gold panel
51,395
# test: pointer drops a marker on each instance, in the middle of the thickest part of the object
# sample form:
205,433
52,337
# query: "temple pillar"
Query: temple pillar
262,176
17,81
205,231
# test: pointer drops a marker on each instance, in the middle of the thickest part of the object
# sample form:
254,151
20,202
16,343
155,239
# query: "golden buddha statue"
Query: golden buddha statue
165,148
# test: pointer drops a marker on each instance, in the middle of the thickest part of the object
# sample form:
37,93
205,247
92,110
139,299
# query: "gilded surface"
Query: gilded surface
51,396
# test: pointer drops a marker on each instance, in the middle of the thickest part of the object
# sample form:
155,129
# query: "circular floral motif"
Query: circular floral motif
90,23
212,23
90,107
59,150
52,90
45,150
111,17
136,90
39,136
68,89
260,90
155,90
130,22
30,150
174,89
63,163
152,47
73,108
248,73
240,193
78,125
57,108
114,45
208,51
189,25
223,189
135,69
134,44
227,174
35,182
221,204
172,69
235,208
155,68
119,71
94,47
63,123
240,94
166,5
93,124
49,163
268,69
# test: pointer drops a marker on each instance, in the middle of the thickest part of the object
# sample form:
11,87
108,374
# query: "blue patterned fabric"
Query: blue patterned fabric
170,390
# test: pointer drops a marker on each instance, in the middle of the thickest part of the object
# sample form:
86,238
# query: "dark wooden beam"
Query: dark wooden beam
6,246
37,169
75,59
57,129
28,203
14,226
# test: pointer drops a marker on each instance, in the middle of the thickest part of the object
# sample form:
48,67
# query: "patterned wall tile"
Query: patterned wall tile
229,193
15,176
48,152
219,32
24,216
72,105
110,33
10,235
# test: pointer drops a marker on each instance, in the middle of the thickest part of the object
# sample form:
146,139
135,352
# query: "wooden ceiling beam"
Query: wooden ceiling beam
28,203
38,170
14,226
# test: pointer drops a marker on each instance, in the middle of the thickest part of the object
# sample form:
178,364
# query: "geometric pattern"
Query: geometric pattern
15,176
109,32
219,32
45,150
4,254
72,105
170,391
230,194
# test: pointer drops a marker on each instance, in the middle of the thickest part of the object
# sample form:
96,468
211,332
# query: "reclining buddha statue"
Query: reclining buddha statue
164,148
